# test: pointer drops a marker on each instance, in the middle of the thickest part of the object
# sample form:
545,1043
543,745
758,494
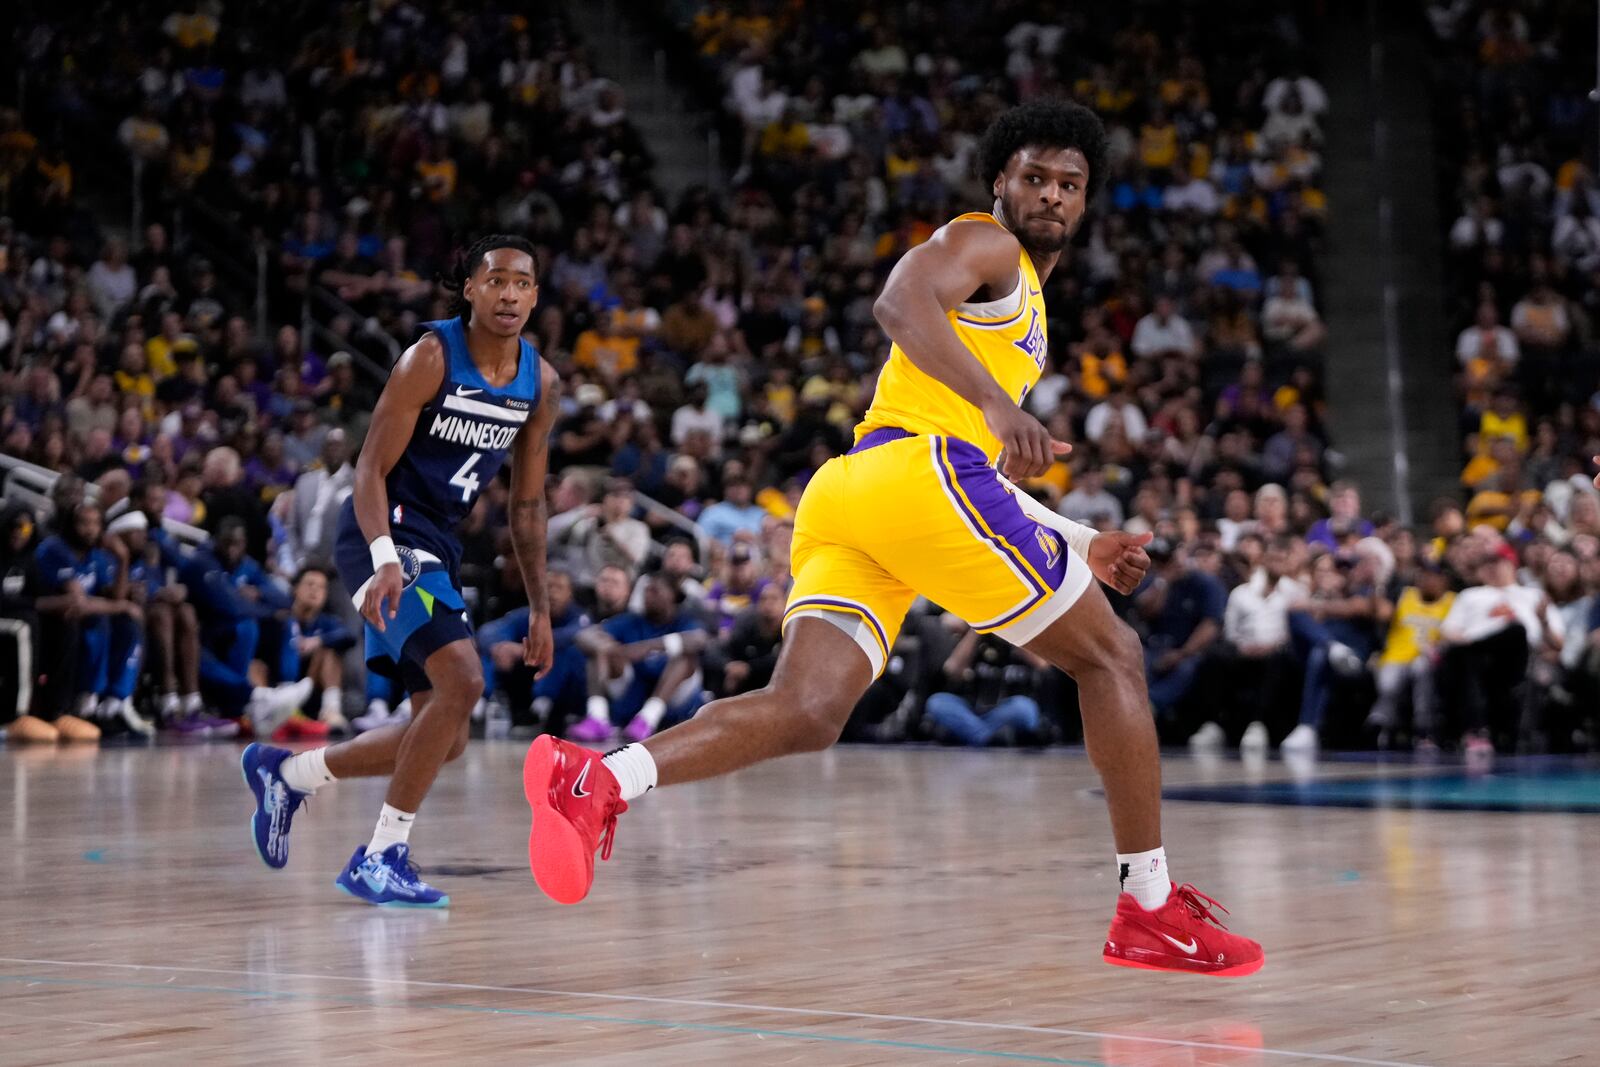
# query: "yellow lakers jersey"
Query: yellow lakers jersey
1007,336
1415,626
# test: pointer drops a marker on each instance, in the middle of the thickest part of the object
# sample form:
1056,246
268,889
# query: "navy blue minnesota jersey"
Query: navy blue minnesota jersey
462,437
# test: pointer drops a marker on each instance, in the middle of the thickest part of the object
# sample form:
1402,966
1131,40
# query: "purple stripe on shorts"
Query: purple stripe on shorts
828,602
1016,534
881,436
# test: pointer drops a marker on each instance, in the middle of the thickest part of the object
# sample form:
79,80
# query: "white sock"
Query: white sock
379,708
394,826
307,772
635,769
653,710
332,703
1144,875
599,710
192,704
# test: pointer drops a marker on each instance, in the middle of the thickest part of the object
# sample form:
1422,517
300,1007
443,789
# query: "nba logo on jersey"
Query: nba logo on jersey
1033,341
399,514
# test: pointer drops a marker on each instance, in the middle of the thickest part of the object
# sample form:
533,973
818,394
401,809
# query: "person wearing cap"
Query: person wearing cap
734,594
1411,656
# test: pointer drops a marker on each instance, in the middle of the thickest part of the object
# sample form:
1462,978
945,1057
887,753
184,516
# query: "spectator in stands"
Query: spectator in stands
612,536
1090,503
730,597
1335,630
1256,628
1411,657
646,664
1182,610
1490,632
313,506
313,647
557,698
736,514
83,588
1164,333
749,652
30,718
990,693
233,598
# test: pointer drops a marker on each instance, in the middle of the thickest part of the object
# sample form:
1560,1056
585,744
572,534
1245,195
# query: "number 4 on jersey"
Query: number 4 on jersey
465,478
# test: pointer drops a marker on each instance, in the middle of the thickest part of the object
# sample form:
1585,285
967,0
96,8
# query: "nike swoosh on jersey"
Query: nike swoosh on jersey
462,390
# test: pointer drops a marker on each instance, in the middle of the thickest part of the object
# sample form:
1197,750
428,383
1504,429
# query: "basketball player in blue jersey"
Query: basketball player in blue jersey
461,401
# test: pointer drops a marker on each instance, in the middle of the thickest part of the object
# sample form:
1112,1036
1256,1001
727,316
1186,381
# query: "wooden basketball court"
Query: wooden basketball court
865,906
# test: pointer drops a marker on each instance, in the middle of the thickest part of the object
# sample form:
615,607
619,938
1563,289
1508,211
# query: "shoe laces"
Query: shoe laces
1200,905
406,872
608,829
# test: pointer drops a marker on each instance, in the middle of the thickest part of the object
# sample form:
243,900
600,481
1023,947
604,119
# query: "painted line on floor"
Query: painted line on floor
528,1013
970,1024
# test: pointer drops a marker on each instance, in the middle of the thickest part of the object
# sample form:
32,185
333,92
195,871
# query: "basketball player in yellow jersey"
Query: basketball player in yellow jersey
920,506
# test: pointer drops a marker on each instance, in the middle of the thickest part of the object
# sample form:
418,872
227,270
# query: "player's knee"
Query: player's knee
817,720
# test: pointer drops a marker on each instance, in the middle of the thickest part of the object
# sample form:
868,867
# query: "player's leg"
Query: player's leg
821,674
1006,569
1102,654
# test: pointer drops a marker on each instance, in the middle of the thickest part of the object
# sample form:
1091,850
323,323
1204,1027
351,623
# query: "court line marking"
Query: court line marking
530,1013
971,1024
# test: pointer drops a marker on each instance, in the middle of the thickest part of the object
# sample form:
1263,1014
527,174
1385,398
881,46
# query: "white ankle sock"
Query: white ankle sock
394,826
192,704
1144,876
332,703
599,709
307,772
653,710
635,769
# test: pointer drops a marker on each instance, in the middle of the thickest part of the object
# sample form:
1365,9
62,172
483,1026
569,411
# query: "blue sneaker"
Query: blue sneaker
388,880
276,803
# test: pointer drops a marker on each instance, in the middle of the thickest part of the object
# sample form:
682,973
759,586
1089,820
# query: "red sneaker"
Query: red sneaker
575,802
1181,935
299,728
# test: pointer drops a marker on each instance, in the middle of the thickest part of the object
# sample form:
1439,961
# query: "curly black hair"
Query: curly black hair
456,281
1049,124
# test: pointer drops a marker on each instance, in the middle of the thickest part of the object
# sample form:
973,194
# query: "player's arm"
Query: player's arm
684,643
530,465
929,281
414,381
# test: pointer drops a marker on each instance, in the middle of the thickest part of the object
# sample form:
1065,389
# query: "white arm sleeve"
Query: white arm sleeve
1077,534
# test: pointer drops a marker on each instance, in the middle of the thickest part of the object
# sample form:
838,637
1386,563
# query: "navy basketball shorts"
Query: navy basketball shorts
430,615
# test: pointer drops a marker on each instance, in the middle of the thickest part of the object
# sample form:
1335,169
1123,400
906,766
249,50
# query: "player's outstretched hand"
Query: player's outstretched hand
539,647
1118,559
382,601
1027,449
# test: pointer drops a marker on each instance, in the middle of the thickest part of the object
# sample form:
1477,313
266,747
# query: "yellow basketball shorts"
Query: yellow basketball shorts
902,515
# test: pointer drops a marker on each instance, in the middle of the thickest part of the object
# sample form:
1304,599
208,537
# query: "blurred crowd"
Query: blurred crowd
716,350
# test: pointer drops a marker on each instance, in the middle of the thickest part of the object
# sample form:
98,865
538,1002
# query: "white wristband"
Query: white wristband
382,550
672,644
1078,536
